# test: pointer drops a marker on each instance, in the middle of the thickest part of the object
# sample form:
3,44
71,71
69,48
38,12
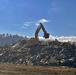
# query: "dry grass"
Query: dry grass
13,69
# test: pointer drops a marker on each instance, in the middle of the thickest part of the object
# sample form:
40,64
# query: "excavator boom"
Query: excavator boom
46,35
35,40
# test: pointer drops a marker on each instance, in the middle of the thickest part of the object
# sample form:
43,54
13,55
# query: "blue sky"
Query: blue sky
23,16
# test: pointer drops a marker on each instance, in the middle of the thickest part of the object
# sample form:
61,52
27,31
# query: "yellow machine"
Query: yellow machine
36,39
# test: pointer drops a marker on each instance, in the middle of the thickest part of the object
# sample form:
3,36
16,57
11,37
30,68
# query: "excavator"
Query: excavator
46,35
35,40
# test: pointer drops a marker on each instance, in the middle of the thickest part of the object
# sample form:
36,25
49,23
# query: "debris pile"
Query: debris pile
54,53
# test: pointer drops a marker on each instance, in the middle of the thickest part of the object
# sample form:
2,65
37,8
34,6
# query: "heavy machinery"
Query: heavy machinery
46,35
35,40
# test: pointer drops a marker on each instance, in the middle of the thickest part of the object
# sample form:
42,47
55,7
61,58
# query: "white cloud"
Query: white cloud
37,24
41,21
51,38
61,38
27,24
67,38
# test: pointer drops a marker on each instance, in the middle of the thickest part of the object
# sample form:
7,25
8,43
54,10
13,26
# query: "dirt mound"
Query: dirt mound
53,53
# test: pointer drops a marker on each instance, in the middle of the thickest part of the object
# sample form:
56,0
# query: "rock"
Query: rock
53,54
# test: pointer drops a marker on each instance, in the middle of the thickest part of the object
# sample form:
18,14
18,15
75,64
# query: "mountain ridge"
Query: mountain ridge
7,39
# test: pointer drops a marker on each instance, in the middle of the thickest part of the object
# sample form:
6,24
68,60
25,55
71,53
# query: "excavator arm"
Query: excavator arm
46,35
35,40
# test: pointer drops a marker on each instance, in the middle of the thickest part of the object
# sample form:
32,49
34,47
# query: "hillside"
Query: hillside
52,53
6,39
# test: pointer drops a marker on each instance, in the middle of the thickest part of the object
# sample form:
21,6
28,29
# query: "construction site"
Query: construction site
35,57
